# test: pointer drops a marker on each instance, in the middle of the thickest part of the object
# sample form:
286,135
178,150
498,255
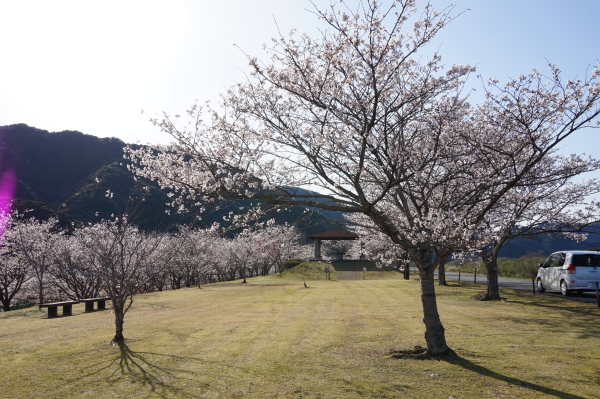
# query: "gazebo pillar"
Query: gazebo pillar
317,248
339,234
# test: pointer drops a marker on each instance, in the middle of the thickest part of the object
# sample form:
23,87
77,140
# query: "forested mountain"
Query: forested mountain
67,174
50,167
546,245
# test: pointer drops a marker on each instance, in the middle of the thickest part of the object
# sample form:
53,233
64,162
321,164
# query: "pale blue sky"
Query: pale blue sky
93,66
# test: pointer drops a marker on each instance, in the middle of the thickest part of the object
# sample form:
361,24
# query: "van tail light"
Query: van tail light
571,269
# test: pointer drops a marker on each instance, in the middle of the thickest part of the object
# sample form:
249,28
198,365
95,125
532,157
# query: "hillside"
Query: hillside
67,175
50,167
521,246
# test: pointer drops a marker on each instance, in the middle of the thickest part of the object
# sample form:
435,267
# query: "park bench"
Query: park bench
53,308
68,306
89,303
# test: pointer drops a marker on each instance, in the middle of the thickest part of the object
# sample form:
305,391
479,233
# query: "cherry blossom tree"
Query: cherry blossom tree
72,269
357,117
13,273
204,253
125,259
190,264
560,208
274,244
33,241
240,253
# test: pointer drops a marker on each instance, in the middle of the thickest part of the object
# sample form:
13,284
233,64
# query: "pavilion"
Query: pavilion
339,234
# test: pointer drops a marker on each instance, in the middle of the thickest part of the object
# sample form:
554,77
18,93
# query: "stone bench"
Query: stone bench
53,308
89,303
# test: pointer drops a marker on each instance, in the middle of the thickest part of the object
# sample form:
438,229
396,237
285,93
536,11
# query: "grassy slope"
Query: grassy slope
275,338
340,271
308,271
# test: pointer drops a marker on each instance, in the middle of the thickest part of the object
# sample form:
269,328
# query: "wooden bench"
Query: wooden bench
53,308
89,303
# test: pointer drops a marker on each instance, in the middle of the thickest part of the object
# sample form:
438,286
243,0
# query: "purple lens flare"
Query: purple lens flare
8,185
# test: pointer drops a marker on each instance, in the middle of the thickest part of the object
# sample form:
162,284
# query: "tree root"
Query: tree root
420,353
485,297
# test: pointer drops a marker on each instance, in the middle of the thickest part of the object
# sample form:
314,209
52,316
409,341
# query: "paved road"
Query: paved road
521,285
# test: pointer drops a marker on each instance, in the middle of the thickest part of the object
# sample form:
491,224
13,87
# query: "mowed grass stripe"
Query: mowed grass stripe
274,338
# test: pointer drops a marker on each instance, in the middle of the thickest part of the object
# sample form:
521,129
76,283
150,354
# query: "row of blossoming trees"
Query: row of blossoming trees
41,263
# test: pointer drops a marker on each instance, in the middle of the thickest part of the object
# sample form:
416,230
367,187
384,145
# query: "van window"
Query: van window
555,260
586,260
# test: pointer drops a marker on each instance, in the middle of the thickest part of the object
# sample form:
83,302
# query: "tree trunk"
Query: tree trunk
119,321
442,274
6,305
41,288
440,260
490,261
434,330
435,336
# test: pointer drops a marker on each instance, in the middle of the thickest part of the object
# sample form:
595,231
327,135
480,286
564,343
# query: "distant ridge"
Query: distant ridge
68,173
50,167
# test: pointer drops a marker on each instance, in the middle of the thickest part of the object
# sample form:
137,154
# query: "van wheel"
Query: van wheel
563,288
540,286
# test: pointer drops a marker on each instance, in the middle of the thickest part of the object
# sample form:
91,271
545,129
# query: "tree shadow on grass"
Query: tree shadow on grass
139,367
586,329
144,368
591,311
456,360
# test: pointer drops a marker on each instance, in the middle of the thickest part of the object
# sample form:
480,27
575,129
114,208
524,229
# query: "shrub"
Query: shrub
309,271
292,262
519,268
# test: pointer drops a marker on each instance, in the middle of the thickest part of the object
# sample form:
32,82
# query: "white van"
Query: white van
569,271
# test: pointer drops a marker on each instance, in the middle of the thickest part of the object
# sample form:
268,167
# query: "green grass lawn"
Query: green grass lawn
273,338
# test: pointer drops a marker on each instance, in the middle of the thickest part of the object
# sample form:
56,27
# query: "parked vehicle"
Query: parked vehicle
569,271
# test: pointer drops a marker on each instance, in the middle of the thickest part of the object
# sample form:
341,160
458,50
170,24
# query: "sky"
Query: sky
94,66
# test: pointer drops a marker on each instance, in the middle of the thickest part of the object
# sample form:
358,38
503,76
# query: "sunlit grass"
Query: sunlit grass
274,338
